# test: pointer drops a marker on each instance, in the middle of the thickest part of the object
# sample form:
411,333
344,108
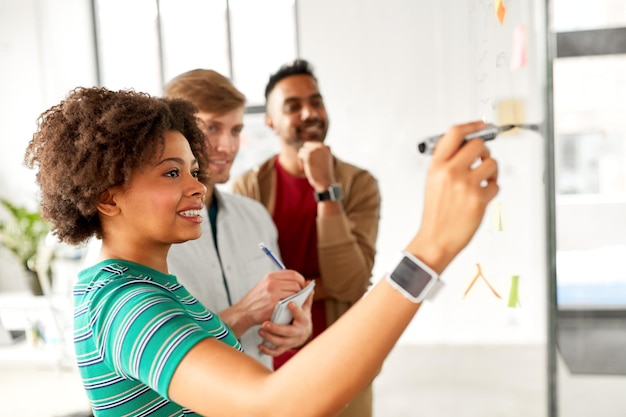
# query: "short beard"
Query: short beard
297,143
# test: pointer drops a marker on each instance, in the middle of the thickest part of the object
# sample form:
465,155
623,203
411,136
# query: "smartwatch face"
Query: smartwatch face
410,277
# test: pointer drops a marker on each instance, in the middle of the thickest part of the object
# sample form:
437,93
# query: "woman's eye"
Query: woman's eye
173,173
195,173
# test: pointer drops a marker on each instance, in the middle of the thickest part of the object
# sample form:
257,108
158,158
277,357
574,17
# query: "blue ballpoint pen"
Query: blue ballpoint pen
271,255
488,133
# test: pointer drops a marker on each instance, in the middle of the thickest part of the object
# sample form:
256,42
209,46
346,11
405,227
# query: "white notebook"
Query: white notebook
281,314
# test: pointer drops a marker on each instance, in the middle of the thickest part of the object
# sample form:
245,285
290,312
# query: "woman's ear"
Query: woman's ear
107,205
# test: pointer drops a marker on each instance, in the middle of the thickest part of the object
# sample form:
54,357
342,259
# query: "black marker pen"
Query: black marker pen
488,133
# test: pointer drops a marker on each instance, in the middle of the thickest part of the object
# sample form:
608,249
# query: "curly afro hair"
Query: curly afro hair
95,139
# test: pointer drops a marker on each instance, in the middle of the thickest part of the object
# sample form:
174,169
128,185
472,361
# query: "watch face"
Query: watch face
411,277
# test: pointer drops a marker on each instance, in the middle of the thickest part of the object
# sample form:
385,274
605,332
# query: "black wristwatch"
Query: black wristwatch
414,279
332,193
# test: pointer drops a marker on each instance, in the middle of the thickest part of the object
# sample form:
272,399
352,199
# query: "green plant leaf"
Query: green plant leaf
22,233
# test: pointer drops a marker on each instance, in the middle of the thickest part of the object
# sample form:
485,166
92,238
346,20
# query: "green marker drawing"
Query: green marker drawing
513,294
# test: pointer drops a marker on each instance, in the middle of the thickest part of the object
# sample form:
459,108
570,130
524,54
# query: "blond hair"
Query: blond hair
208,90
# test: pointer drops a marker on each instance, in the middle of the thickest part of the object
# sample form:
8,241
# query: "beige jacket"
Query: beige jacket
346,243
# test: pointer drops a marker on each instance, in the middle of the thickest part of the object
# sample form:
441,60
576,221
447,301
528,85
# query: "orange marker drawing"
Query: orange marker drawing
500,11
479,274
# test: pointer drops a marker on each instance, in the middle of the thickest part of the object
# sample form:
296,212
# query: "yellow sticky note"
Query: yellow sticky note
500,10
510,111
514,292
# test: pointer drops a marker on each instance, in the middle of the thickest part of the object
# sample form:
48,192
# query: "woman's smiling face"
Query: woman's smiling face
163,201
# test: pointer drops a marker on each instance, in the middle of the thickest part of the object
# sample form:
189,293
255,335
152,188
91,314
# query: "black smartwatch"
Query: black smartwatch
413,279
332,193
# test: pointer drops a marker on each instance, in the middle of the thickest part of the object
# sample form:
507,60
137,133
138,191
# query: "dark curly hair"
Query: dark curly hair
296,67
95,139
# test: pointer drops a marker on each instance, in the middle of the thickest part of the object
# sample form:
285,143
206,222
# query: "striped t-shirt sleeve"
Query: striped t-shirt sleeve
145,332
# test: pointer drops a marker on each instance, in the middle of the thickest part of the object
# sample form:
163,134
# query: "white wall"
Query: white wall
587,222
45,50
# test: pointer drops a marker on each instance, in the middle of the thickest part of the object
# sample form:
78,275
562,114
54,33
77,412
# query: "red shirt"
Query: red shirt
295,214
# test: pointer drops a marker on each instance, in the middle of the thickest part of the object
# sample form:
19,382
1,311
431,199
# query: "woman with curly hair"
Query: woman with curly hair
129,168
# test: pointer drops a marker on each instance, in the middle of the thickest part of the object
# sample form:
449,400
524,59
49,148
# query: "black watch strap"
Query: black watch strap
332,193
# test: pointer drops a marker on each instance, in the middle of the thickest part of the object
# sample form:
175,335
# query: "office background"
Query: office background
391,72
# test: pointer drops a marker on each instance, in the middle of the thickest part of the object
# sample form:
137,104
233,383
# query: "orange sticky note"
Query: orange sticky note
500,10
518,55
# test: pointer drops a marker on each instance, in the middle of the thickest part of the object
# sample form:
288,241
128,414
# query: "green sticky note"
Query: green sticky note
513,294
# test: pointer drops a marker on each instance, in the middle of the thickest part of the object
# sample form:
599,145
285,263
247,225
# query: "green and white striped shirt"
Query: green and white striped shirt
132,327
